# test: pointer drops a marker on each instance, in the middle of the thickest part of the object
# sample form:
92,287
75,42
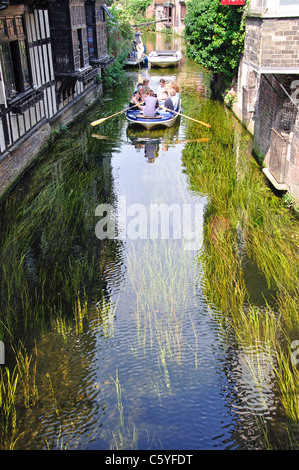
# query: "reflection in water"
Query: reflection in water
151,149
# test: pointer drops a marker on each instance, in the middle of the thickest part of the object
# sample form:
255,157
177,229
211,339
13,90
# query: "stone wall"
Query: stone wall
253,40
293,170
14,162
265,113
272,42
268,75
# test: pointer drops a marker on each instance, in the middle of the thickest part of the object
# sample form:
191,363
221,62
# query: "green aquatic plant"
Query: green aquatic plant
80,313
62,325
244,219
57,443
288,307
160,319
106,311
27,374
123,438
255,325
224,282
287,375
53,396
40,273
8,413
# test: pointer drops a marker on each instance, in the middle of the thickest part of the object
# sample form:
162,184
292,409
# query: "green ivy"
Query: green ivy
137,9
120,36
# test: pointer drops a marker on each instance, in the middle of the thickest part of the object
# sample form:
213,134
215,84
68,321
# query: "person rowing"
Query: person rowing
167,102
135,100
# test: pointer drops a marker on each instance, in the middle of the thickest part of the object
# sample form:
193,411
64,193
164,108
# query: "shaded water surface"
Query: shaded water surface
131,352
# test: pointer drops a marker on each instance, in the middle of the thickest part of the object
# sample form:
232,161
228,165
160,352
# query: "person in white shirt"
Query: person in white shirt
174,98
160,89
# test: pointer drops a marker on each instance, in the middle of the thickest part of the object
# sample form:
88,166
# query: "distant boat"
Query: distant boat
137,57
161,119
134,60
164,58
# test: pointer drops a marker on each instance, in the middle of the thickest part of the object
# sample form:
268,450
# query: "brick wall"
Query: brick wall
272,42
252,40
14,162
293,169
265,113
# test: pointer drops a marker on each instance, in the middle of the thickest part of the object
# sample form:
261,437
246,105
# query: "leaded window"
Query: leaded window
13,55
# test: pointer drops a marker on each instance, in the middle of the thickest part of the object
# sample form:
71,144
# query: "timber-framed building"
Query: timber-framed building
51,58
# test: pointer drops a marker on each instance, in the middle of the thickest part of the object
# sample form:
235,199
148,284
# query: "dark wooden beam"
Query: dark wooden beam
149,22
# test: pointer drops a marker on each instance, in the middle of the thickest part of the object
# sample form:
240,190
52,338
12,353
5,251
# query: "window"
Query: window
288,2
80,46
91,42
276,6
13,55
283,6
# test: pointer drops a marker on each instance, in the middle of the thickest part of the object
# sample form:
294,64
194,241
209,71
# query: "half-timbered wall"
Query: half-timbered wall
41,59
27,95
50,54
73,72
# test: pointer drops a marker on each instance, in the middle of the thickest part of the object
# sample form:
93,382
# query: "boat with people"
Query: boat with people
163,117
164,58
137,55
135,60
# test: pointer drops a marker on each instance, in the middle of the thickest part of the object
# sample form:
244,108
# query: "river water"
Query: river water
130,352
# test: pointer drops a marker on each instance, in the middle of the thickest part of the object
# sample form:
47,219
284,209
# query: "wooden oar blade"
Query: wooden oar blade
192,119
100,137
99,121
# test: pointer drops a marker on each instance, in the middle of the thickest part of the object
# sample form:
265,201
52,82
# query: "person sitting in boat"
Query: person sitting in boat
167,101
140,90
174,98
135,100
161,88
151,103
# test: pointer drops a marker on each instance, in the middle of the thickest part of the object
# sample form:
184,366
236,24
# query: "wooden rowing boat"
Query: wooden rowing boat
161,119
164,58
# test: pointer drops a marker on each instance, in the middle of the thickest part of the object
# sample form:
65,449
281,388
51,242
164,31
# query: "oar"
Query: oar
99,121
200,122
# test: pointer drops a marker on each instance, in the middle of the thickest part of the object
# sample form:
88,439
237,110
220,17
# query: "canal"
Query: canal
137,341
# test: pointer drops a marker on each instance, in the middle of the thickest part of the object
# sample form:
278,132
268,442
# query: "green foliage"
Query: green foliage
133,10
137,9
120,36
215,35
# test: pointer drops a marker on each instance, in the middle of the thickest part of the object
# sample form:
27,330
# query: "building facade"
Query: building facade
173,11
268,88
51,56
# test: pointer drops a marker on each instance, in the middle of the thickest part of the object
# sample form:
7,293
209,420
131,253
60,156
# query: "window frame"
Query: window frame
15,59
